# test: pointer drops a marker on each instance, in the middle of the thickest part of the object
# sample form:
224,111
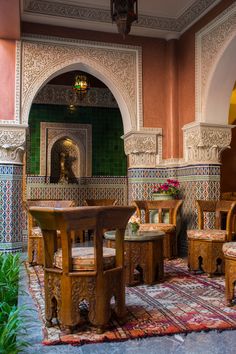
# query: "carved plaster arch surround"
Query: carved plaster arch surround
215,68
118,66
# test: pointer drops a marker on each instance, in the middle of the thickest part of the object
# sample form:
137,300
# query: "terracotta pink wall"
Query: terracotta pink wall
9,32
9,19
7,82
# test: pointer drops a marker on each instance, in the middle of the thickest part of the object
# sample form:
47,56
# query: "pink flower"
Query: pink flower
171,187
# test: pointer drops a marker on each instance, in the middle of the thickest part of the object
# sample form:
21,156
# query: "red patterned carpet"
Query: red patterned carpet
182,303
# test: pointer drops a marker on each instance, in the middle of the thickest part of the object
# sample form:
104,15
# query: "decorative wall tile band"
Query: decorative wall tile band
10,206
9,247
87,188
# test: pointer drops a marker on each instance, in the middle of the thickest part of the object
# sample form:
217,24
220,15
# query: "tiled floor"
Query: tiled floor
212,342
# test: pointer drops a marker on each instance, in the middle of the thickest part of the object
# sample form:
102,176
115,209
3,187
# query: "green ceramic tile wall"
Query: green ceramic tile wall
108,157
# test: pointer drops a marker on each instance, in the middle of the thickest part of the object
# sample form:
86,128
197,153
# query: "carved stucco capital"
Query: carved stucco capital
143,148
203,143
12,144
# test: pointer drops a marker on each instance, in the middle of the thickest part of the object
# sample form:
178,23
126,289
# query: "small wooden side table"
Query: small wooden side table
143,252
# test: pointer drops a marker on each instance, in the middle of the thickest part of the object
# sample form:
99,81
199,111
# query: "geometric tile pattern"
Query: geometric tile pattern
196,182
87,188
10,208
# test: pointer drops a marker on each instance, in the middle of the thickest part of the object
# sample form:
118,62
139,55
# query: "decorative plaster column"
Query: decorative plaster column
143,148
203,145
12,140
204,142
144,151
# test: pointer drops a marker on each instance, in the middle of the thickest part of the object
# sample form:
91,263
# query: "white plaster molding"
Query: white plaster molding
203,142
64,95
17,83
12,144
119,67
80,134
143,148
211,43
100,17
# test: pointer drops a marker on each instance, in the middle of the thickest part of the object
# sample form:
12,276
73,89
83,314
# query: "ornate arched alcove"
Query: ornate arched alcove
74,140
210,134
118,66
215,67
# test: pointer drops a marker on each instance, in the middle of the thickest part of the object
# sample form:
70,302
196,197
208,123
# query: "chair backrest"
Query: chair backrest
100,202
46,203
228,196
172,206
67,220
224,210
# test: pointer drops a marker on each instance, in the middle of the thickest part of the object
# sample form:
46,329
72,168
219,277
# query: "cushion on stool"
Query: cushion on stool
160,226
229,249
83,258
209,234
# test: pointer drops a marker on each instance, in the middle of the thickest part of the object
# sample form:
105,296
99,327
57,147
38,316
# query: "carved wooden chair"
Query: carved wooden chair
205,245
230,196
74,274
162,206
35,237
100,202
229,251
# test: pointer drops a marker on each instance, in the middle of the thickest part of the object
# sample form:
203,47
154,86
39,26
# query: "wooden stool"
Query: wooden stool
229,250
143,253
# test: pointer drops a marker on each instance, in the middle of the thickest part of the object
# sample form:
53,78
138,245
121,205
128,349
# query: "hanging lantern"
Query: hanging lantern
124,12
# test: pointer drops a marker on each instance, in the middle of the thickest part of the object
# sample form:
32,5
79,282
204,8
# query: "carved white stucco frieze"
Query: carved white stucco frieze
64,95
203,143
120,65
144,149
211,41
12,144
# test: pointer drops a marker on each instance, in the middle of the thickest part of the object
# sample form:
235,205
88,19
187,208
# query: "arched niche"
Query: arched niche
67,150
80,135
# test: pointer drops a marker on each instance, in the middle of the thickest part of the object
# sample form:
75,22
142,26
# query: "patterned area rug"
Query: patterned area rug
183,303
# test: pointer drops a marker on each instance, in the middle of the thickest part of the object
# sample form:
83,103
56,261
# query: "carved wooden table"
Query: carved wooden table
143,255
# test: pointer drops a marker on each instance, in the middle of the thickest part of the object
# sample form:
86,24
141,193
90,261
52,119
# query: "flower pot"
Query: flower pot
162,196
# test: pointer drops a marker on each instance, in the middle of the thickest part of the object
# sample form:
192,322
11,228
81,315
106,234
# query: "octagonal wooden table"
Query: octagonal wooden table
143,255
